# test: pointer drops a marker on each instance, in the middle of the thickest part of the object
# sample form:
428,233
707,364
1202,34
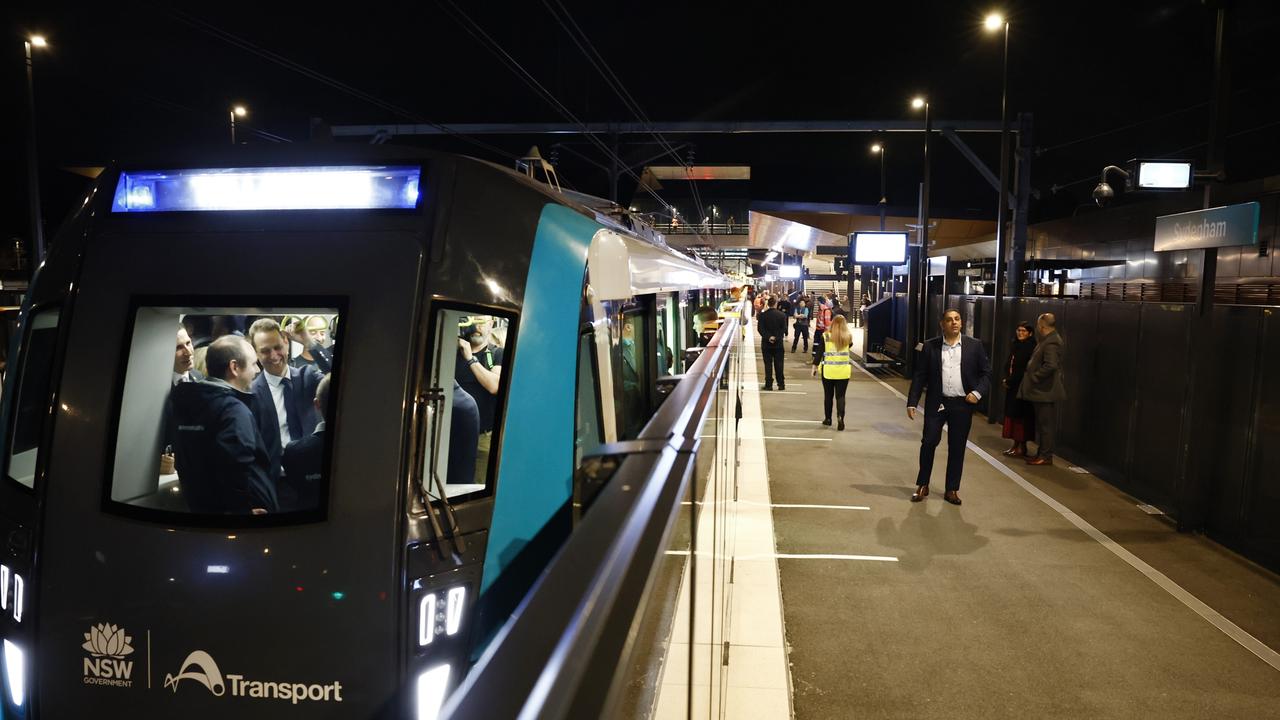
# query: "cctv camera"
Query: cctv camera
1103,194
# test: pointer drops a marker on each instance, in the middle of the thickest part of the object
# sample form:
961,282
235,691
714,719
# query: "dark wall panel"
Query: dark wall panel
1110,410
1229,424
1079,323
1161,383
1262,494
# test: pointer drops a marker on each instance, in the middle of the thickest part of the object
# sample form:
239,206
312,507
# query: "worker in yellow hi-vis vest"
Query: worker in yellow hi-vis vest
836,364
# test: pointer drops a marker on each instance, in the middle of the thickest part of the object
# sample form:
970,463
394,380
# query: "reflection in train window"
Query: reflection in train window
590,428
33,395
224,410
629,366
465,414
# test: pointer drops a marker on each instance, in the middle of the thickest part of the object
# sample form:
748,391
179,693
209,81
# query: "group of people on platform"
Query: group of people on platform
952,374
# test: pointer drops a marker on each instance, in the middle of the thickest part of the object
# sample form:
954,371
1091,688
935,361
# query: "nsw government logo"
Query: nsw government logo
108,646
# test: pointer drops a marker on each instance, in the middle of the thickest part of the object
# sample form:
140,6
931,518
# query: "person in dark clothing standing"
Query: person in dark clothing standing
1043,387
773,332
1019,415
478,369
222,461
801,325
304,459
956,372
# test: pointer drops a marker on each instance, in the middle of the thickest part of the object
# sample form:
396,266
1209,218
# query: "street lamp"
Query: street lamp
879,149
33,169
237,111
993,23
918,298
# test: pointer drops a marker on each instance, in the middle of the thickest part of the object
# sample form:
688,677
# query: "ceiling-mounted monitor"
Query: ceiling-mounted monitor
789,272
878,248
1164,175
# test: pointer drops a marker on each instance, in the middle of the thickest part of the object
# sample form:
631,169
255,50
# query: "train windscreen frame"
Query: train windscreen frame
159,317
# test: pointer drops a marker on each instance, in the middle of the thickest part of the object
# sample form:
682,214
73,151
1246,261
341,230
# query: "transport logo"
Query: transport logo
108,645
198,666
201,668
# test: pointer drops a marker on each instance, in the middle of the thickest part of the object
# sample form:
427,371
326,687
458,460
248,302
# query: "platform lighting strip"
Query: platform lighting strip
356,187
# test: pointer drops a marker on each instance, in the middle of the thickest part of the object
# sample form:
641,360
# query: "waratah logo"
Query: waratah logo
105,640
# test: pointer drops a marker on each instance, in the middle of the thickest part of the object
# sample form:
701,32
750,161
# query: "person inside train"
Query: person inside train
464,439
705,323
632,394
284,396
183,371
220,456
303,460
206,329
310,333
478,369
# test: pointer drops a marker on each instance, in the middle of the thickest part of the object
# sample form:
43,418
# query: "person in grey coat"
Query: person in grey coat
1042,386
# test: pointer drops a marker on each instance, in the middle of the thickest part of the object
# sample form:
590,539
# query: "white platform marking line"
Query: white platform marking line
1233,631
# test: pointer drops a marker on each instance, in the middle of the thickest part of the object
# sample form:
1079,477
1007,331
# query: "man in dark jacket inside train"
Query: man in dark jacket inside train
284,395
304,459
221,459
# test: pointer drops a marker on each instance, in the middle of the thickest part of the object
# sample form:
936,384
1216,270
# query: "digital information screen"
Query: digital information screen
878,248
1167,175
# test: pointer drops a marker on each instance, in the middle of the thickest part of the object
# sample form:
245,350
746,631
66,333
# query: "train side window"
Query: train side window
630,367
33,391
227,411
464,421
590,427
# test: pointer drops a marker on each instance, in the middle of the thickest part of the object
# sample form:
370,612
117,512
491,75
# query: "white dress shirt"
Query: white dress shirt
182,377
952,383
277,396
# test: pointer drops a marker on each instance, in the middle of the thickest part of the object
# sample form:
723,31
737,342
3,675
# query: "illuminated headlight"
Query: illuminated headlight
431,688
15,668
18,587
435,618
4,587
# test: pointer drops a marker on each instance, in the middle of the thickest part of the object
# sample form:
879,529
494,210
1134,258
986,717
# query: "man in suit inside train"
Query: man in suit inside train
283,397
954,373
183,371
303,459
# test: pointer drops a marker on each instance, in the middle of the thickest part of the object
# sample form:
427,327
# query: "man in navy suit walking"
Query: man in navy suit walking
954,373
284,397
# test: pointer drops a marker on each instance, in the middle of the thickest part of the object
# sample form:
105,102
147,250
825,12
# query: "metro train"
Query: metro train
125,594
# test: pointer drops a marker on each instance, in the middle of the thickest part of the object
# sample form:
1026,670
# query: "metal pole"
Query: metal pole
33,170
233,126
1002,214
884,197
924,229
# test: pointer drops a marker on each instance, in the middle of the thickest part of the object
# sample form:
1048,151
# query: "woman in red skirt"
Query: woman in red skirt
1019,415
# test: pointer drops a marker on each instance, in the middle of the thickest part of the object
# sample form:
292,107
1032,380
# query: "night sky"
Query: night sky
123,77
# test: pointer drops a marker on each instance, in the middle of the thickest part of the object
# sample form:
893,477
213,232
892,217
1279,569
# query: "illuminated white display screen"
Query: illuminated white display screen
789,271
364,187
1164,175
873,248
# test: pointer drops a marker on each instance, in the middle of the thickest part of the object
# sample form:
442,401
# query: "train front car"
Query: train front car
291,437
189,533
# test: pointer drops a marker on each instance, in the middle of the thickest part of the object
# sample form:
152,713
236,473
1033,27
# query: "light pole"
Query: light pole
993,23
33,165
917,298
879,149
237,111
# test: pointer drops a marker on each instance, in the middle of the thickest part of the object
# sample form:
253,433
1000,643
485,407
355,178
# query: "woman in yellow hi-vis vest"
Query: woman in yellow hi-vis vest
836,365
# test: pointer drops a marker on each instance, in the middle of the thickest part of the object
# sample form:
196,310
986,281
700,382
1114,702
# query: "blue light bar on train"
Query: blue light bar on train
359,187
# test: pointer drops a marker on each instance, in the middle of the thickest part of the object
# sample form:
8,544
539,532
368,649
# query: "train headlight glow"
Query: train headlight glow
4,587
362,187
15,668
436,617
431,688
426,619
18,587
453,610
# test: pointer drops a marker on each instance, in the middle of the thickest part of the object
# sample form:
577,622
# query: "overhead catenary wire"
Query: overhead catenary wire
580,38
473,28
231,39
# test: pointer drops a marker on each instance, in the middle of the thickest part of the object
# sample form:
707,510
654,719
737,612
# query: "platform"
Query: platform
1047,594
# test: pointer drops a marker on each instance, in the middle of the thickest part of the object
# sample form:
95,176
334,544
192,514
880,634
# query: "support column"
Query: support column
1018,253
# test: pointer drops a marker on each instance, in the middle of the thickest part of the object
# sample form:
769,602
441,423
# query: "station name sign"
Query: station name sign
1215,227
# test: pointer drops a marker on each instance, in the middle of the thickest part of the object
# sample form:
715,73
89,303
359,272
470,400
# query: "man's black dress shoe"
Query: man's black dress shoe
921,492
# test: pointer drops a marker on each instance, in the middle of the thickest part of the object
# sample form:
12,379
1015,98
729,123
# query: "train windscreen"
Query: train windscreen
223,412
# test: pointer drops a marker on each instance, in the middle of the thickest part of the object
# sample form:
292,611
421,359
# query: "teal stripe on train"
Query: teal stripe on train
535,477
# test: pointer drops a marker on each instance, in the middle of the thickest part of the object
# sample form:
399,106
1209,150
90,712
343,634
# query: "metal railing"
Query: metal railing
563,652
